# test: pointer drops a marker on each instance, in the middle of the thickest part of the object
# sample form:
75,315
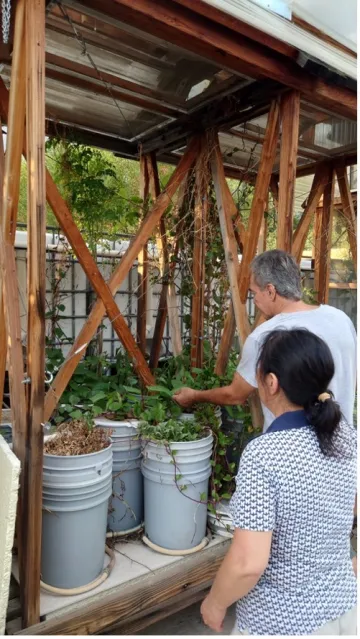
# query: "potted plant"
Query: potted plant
77,484
176,469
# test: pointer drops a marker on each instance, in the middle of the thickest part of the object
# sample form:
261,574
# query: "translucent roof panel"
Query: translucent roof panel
337,19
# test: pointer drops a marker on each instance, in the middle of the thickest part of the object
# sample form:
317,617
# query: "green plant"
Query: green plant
172,430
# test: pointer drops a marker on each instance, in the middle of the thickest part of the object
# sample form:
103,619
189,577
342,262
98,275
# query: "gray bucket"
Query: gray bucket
126,508
174,517
76,490
221,523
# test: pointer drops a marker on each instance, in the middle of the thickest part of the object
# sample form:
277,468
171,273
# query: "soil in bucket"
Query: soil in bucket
77,483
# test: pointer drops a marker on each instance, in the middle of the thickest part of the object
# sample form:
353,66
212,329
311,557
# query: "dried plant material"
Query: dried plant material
76,438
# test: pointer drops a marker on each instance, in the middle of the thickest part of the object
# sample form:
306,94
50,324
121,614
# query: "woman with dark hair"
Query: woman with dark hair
289,566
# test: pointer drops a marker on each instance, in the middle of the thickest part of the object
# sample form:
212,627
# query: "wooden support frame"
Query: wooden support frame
348,211
30,526
302,229
147,227
324,244
92,271
316,248
166,271
289,114
201,206
10,184
143,264
260,195
233,266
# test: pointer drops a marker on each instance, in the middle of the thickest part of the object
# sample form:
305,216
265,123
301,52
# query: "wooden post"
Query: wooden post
233,266
11,174
35,116
289,113
258,205
71,231
348,211
256,215
316,248
325,238
302,229
201,206
147,227
143,265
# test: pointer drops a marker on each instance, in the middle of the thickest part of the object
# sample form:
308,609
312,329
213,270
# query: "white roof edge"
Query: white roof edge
288,32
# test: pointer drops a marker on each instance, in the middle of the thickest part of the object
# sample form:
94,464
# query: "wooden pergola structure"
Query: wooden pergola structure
174,81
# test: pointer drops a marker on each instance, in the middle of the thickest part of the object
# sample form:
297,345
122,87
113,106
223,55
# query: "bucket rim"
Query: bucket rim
159,442
49,455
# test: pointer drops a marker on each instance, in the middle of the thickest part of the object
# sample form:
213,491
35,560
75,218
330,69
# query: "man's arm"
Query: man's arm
235,393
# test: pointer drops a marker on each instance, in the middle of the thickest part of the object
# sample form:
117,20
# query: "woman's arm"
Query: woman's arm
239,573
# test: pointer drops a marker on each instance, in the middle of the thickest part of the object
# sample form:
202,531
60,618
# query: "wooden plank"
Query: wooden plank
224,47
201,205
289,114
325,238
348,211
30,530
233,266
125,604
316,248
260,196
143,265
302,229
180,602
10,177
71,231
126,262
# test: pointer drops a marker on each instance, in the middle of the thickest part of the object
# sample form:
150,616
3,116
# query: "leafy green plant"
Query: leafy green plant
172,430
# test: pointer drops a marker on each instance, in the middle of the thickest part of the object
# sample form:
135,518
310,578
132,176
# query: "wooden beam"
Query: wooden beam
289,114
10,177
71,231
162,249
201,206
317,248
143,264
325,238
260,196
309,169
233,266
223,46
348,211
147,227
126,604
36,289
303,226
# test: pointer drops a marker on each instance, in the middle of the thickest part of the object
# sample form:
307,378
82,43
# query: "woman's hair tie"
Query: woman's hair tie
324,396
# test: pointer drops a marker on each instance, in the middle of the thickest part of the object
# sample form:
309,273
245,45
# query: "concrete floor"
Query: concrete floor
188,622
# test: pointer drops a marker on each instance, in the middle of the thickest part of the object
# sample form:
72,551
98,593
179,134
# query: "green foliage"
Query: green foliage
172,430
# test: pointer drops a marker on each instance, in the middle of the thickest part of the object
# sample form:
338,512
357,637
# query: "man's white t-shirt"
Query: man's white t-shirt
337,331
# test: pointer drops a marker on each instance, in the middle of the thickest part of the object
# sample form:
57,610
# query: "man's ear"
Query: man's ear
271,291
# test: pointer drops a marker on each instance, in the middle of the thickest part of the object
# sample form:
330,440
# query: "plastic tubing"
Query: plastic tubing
68,592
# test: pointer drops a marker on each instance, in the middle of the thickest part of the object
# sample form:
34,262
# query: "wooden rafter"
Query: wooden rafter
348,211
126,262
316,248
233,266
324,244
302,229
30,530
289,113
260,197
223,46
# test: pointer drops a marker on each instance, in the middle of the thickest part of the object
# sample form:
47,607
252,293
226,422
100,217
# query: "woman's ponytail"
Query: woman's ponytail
324,415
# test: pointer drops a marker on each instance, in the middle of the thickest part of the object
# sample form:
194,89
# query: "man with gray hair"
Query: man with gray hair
276,285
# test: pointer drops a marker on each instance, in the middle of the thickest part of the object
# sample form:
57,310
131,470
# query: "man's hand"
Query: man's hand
184,396
213,616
